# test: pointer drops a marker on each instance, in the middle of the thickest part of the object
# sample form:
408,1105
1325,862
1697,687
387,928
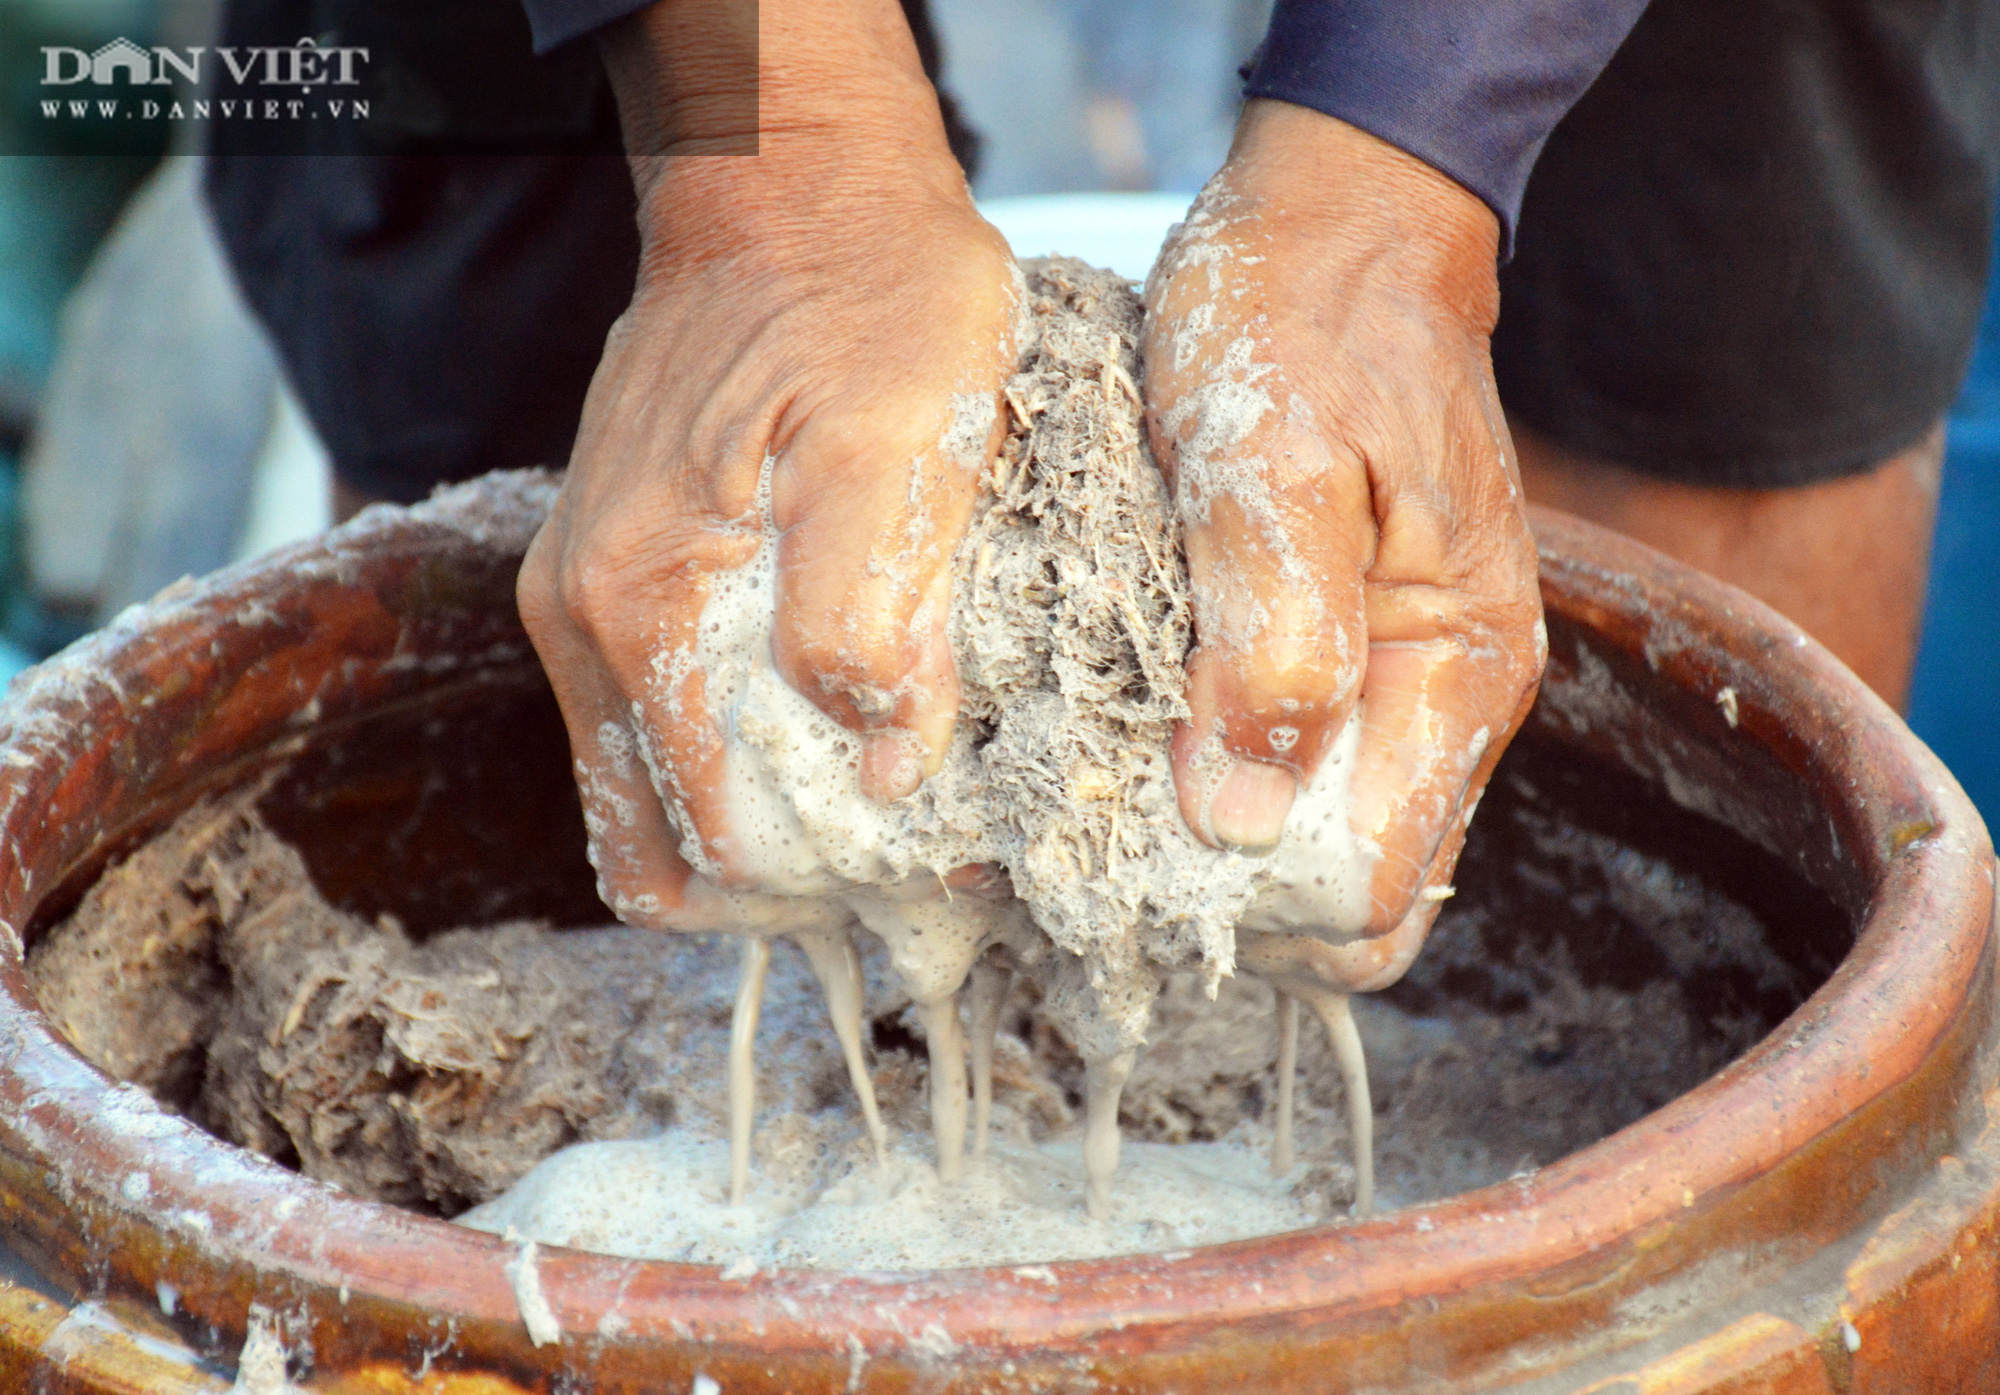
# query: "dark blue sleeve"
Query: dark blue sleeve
558,21
1472,87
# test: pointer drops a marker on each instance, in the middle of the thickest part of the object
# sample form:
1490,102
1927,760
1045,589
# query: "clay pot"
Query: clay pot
1819,1216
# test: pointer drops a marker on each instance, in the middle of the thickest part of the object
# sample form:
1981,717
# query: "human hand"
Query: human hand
1321,397
834,306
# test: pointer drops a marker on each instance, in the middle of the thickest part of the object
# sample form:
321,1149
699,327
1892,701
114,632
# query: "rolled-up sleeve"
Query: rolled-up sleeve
1472,87
556,22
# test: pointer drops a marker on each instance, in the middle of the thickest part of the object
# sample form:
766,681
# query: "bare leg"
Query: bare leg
1283,1154
990,983
1845,559
1338,1019
947,1046
743,1063
1103,1082
838,968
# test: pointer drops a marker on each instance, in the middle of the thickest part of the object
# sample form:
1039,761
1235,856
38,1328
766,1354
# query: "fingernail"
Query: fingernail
1247,811
892,764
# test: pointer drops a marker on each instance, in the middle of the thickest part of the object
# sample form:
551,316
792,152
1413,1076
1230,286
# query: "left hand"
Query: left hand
1320,395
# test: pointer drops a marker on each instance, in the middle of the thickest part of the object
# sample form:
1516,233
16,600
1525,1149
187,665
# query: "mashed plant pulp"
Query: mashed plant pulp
1070,623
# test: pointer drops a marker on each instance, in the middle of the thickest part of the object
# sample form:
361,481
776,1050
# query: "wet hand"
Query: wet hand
1321,398
835,307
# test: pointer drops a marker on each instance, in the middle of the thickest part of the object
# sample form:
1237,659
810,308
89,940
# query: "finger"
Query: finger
640,876
869,524
1276,554
1278,531
1302,964
1372,964
1451,675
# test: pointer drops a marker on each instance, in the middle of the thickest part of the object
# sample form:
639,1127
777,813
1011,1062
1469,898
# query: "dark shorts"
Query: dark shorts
439,285
1753,255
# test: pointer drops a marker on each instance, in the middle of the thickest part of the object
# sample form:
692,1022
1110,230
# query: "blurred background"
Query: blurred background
145,432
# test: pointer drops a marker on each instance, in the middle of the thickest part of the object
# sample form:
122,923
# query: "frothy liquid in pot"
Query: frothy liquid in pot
662,1198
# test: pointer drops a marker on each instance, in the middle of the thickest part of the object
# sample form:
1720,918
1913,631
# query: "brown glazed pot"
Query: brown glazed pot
1820,1216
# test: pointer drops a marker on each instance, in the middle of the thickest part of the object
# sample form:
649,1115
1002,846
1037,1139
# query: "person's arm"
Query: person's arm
1470,87
1321,395
832,304
1320,392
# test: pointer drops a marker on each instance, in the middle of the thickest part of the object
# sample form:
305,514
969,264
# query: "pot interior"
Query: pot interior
1607,949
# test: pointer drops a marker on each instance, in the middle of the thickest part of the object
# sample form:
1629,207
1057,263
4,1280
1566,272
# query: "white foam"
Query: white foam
801,828
1316,881
260,1367
664,1198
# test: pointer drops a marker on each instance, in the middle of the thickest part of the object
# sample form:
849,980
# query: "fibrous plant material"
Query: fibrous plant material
1069,626
437,1074
445,1070
207,968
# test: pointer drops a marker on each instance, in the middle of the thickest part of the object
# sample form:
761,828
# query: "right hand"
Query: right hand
834,303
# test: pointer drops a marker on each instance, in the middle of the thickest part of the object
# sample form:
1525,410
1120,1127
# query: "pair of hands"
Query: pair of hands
1318,392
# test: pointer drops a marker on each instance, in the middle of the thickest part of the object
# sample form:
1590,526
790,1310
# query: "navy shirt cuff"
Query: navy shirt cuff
556,22
1472,87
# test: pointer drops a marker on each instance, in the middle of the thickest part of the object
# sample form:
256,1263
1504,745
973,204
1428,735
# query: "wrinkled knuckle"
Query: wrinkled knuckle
1294,683
540,609
1508,645
536,588
594,594
1295,738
